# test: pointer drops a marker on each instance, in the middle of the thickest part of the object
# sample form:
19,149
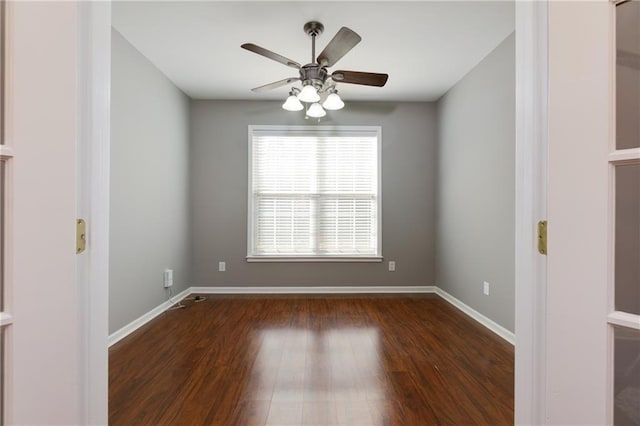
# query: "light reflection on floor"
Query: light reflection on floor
333,375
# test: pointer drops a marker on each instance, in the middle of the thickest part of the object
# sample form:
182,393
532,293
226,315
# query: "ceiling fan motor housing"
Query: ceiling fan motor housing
313,74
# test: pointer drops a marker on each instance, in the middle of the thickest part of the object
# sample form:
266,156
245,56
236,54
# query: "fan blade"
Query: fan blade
271,55
356,77
275,84
340,44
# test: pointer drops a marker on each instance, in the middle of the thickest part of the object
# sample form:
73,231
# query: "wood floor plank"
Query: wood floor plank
251,413
313,359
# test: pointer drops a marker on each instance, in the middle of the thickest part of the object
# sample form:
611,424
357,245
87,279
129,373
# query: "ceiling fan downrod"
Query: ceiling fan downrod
313,29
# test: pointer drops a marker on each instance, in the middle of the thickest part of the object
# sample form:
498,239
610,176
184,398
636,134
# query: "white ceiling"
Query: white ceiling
425,47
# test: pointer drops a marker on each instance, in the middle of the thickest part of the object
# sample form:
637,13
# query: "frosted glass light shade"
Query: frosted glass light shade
333,102
292,104
316,111
309,94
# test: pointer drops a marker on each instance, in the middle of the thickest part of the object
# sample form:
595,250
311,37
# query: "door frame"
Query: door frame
531,165
531,206
92,168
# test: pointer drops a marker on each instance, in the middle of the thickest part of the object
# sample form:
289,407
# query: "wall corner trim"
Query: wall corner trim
468,310
120,334
139,322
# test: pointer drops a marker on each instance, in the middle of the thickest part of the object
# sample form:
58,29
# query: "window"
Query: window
314,193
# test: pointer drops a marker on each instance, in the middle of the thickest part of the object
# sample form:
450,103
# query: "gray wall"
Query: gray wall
476,187
219,195
149,185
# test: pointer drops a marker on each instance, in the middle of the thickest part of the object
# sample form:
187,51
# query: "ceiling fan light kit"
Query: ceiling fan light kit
316,111
315,78
309,94
333,101
292,103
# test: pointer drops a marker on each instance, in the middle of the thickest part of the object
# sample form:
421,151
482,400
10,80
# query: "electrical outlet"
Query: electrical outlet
392,265
222,266
167,278
485,288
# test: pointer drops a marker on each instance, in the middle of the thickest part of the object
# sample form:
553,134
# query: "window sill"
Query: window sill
337,259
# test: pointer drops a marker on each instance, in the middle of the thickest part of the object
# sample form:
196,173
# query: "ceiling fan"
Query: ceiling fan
314,76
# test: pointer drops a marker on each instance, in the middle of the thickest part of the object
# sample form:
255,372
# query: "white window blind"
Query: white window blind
314,192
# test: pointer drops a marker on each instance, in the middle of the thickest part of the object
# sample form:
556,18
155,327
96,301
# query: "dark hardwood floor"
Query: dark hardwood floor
322,360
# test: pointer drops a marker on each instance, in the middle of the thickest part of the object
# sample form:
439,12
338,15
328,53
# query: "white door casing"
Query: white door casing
94,82
531,51
531,187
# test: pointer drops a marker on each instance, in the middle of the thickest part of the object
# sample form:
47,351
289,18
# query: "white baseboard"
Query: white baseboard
490,324
314,290
118,335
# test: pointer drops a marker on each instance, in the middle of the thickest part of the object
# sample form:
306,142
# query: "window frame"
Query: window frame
319,131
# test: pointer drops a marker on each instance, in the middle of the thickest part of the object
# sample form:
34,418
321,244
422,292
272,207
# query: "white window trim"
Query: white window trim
350,258
315,130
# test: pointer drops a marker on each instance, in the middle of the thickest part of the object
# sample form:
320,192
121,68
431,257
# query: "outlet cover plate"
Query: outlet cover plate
168,278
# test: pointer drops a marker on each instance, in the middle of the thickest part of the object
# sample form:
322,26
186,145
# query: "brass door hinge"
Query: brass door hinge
542,237
81,236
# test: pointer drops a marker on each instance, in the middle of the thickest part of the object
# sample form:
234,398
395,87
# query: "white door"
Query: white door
45,351
593,200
